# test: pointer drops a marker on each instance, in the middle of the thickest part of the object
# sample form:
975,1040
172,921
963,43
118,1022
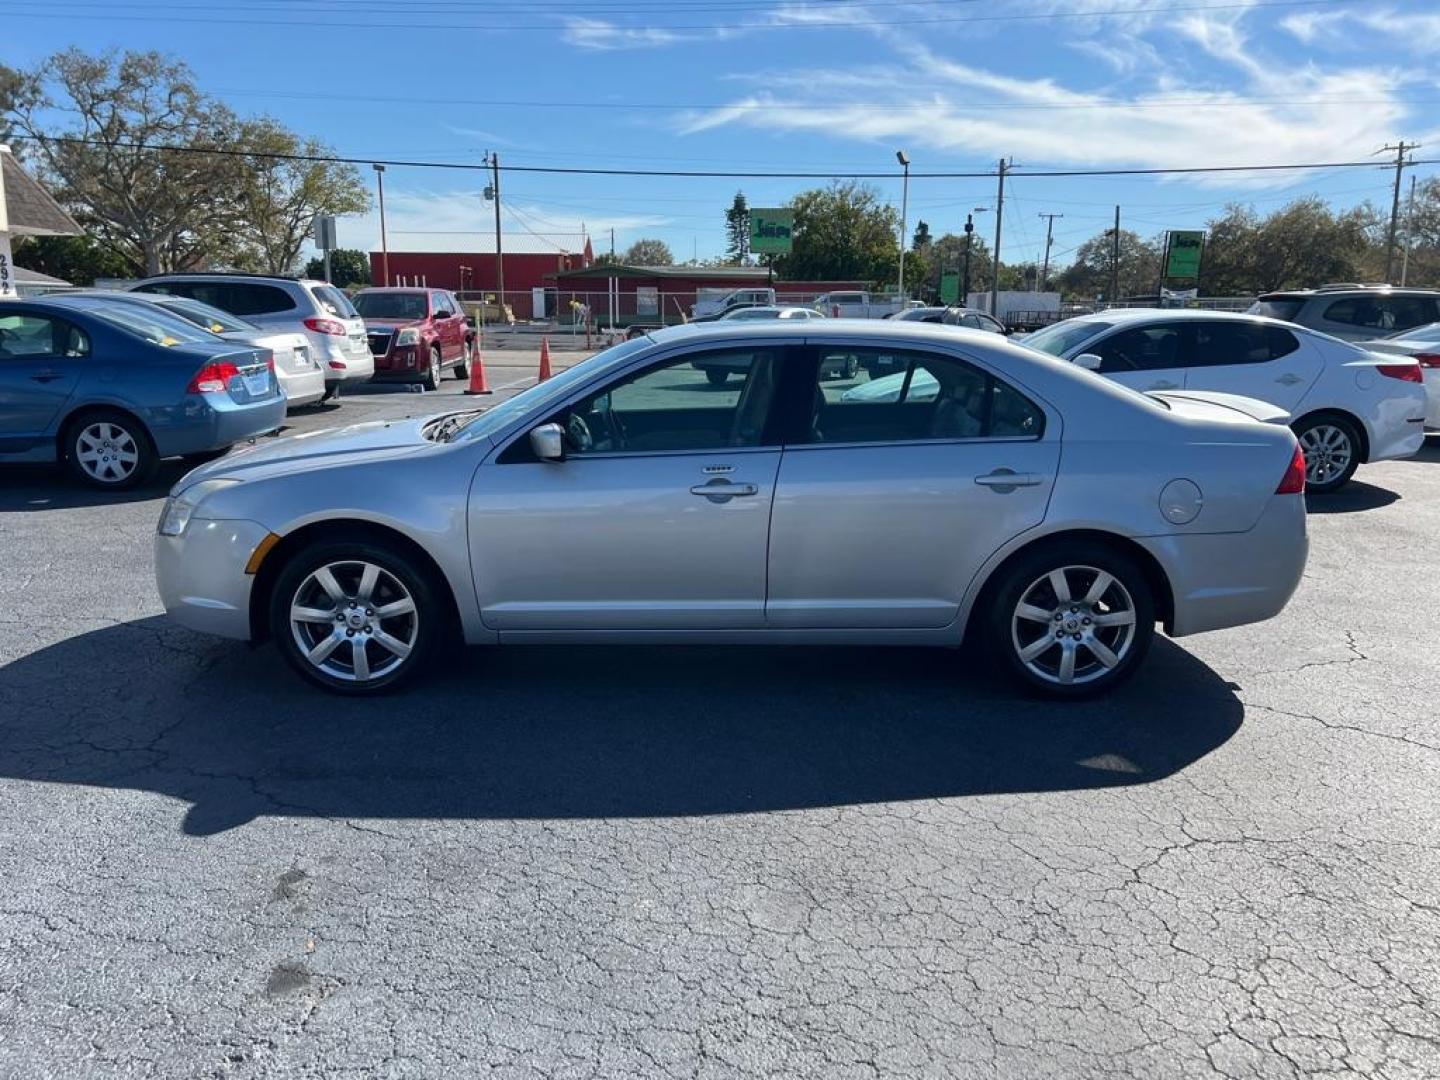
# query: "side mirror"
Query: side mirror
548,442
1088,360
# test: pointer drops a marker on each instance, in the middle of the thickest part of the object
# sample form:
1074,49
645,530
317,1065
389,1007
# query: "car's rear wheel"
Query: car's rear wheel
717,376
462,369
355,617
1331,446
1072,620
108,449
433,374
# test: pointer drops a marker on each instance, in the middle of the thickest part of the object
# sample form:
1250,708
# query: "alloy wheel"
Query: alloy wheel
106,452
1328,452
1073,624
354,621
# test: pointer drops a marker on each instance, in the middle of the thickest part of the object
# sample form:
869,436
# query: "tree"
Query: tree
648,253
1301,244
347,267
76,259
1091,272
842,232
157,210
922,238
737,230
280,196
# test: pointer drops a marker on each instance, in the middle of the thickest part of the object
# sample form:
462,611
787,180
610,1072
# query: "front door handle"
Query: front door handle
1002,481
47,376
721,490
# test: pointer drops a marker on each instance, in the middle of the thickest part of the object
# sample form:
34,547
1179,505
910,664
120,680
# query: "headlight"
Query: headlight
179,509
408,336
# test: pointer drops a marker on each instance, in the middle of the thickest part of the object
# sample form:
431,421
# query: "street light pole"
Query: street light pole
969,232
904,159
384,242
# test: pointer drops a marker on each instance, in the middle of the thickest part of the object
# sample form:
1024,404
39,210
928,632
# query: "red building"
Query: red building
531,263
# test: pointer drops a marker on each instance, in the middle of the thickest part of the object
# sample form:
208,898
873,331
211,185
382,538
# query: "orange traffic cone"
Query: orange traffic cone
478,385
544,359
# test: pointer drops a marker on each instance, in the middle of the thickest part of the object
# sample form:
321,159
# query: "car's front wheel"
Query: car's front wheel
1072,620
110,450
355,617
1331,446
462,369
432,376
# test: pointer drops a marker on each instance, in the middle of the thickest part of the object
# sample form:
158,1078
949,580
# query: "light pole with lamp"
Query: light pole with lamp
969,232
384,242
904,159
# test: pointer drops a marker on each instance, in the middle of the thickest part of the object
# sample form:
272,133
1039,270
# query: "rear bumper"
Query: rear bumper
1396,423
341,365
201,575
302,387
215,422
1230,579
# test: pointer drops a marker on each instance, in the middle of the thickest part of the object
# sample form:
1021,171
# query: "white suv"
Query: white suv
1346,406
1352,312
316,309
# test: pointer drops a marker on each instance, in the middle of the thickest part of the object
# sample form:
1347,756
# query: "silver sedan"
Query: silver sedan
993,492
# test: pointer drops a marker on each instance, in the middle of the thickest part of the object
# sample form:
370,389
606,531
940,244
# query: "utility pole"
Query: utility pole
499,242
1409,232
384,242
995,255
1399,149
1115,260
1045,269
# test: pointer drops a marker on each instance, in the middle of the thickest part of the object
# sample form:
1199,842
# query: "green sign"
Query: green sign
950,287
770,231
1184,255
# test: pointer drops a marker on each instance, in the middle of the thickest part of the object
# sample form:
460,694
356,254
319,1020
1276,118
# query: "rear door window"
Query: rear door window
1225,342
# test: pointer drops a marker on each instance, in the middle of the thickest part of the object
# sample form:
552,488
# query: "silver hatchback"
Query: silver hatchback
630,499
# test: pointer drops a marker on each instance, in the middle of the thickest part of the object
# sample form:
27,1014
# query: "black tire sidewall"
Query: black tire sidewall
432,630
145,449
435,368
1025,570
1332,420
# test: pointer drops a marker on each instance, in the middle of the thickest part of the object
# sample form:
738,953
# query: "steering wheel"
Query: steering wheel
579,432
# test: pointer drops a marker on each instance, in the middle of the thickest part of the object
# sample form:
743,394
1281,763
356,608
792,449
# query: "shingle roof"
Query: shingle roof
31,210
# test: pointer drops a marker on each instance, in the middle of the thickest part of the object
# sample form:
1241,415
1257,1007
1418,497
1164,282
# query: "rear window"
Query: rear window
334,301
157,327
236,297
207,317
1280,308
1059,338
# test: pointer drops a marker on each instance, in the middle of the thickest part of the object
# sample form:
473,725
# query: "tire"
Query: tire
1331,445
1025,603
109,450
384,651
716,376
435,372
462,367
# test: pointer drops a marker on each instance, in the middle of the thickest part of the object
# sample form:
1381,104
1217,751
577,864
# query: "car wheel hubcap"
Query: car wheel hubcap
354,620
106,452
1327,453
1073,625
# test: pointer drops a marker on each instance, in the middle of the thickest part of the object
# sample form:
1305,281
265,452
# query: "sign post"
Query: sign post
325,238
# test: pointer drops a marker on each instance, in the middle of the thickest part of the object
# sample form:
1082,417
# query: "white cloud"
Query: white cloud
1413,31
605,36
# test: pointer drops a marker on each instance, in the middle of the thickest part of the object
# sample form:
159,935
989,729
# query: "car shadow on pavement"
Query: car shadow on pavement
552,732
28,488
1352,498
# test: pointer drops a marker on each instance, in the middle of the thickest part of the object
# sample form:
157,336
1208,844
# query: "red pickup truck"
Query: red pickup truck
416,334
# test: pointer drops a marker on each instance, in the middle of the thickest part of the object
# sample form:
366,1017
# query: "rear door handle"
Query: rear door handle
721,490
1164,384
47,376
1289,379
1006,480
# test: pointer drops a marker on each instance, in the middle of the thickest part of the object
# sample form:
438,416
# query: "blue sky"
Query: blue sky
826,85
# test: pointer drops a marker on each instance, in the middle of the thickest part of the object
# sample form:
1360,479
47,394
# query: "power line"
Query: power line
557,170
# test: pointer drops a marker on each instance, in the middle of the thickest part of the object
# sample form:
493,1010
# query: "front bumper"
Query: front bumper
1219,580
201,577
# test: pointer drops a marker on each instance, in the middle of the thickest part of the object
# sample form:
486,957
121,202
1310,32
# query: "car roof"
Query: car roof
1117,316
400,289
887,330
1349,290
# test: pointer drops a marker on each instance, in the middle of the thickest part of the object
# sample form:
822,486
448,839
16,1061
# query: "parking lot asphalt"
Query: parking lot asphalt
557,862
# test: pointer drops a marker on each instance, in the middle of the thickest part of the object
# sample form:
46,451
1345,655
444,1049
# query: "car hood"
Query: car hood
1254,408
349,445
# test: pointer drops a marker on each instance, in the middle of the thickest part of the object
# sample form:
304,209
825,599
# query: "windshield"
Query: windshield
1420,335
391,305
211,318
538,397
1282,309
1059,338
155,326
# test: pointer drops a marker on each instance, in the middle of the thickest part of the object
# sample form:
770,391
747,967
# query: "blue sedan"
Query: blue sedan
110,389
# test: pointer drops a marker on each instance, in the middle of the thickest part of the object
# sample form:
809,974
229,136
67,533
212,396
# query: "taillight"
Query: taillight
326,326
1293,482
213,378
1428,359
1403,372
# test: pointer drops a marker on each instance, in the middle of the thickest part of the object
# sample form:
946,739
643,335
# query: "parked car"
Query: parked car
1051,514
839,364
416,334
1352,312
771,312
857,304
1345,405
709,306
302,380
314,308
110,389
952,316
1422,344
